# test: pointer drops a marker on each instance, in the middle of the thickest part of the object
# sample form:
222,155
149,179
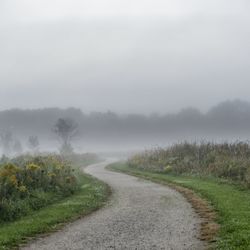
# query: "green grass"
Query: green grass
90,197
231,202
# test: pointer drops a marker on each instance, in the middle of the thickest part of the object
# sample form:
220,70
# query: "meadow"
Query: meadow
216,173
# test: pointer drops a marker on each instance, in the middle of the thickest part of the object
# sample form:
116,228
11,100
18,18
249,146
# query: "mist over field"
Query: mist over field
124,124
131,70
109,131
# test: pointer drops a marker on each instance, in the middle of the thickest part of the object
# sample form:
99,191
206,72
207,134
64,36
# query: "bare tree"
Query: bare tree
65,129
33,143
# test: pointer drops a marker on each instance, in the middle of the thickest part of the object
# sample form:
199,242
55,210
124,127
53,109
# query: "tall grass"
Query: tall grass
226,160
28,183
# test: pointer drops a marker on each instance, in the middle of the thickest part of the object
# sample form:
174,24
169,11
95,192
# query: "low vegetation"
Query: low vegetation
227,161
38,194
217,172
230,202
29,183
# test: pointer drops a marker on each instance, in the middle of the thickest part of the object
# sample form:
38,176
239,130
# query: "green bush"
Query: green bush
29,183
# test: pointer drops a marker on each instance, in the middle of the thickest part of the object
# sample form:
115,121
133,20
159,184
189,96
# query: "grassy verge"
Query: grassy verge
231,202
90,197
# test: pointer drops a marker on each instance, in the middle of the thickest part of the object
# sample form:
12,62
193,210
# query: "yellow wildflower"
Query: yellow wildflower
32,167
22,189
51,174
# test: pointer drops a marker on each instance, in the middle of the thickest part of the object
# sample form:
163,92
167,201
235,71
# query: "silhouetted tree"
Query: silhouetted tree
65,129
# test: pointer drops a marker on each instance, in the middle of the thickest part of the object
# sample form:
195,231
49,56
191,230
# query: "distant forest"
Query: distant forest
228,120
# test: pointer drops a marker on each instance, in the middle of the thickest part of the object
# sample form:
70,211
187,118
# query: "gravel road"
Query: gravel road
140,215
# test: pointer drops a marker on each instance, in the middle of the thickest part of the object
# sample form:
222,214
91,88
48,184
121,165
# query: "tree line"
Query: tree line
231,118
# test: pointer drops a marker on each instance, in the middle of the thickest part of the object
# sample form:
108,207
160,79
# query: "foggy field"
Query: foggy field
109,132
160,85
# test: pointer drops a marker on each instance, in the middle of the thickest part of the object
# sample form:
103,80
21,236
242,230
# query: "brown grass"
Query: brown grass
209,227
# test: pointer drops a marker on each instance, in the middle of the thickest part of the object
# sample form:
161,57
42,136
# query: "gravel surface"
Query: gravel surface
140,215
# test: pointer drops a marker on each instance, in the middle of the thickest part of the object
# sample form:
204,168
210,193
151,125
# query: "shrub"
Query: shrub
28,183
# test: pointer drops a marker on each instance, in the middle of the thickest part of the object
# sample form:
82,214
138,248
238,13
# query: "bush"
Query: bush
28,183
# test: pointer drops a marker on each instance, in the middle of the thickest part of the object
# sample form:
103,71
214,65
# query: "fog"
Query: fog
111,132
127,57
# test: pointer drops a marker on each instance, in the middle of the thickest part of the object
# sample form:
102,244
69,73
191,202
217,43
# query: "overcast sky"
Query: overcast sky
124,55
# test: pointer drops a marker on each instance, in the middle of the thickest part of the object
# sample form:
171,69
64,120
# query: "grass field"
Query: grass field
231,202
91,196
229,161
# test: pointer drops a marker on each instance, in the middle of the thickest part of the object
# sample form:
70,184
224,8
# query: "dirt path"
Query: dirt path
141,215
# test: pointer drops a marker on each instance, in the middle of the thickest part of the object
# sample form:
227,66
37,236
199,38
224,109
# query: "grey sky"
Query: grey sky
123,55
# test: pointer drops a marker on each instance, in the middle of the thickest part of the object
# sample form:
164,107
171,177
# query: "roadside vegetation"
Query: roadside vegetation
225,161
38,193
217,172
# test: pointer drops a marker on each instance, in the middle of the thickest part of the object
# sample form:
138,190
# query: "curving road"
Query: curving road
141,215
